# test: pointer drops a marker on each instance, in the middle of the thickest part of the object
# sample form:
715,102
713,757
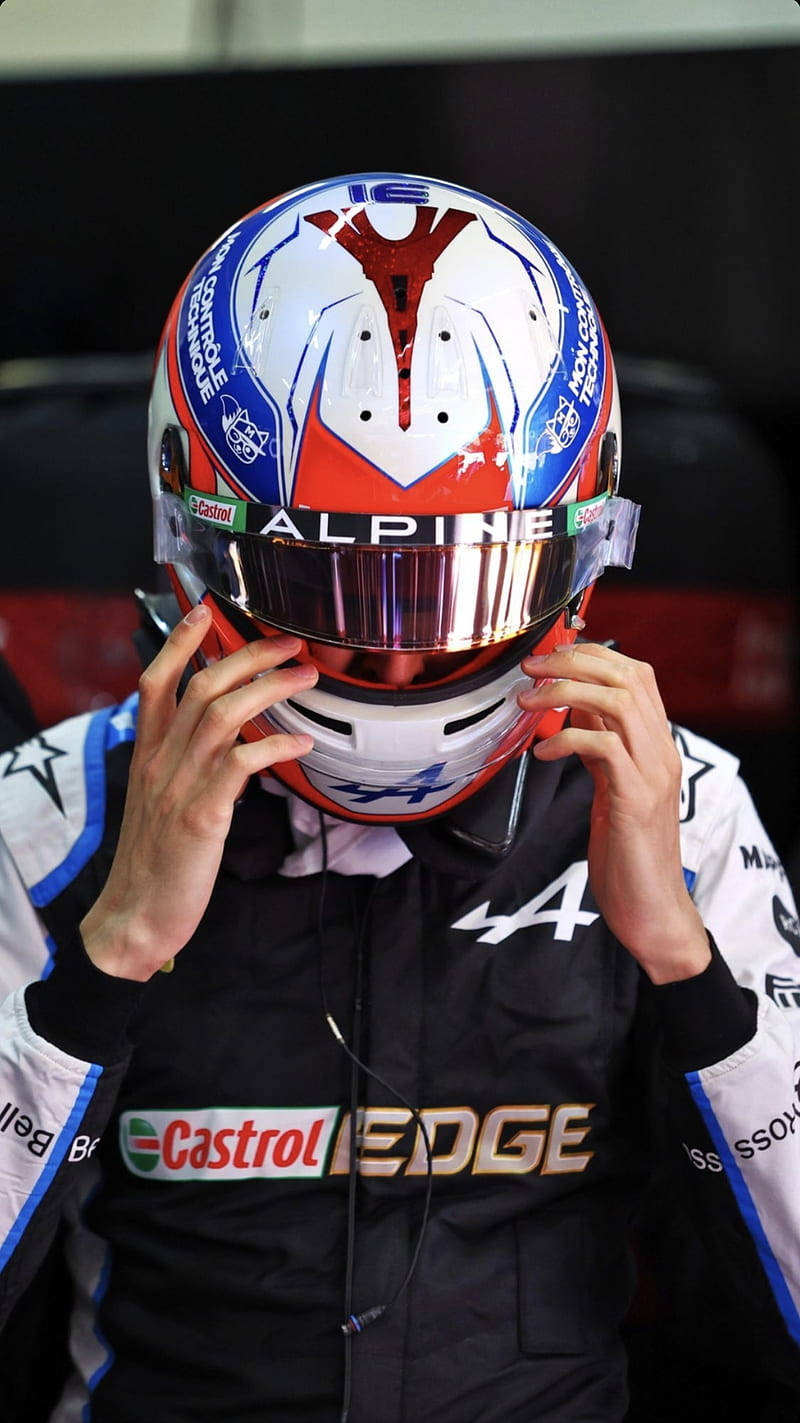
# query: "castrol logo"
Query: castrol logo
227,1144
215,511
589,513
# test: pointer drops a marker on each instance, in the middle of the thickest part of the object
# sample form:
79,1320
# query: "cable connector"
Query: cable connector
357,1322
329,1018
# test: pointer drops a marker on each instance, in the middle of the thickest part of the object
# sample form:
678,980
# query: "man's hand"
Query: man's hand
187,771
618,728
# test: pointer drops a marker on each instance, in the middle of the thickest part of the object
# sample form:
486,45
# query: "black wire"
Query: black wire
355,1084
352,1170
355,1323
350,1193
352,1176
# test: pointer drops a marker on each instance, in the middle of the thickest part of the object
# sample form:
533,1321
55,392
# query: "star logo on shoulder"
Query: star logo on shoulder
693,768
37,757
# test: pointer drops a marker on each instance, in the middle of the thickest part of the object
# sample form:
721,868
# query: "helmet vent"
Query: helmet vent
451,727
331,723
446,374
251,353
363,373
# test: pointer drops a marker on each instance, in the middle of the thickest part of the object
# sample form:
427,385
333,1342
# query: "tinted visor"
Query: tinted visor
435,597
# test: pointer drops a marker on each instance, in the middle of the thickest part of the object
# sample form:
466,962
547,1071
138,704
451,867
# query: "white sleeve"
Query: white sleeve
25,947
54,1104
750,1101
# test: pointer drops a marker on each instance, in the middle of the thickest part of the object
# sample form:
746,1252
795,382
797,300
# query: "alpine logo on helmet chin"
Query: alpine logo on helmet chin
413,791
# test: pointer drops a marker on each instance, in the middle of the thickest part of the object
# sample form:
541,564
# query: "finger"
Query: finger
641,798
219,678
222,721
598,750
214,806
591,661
586,722
617,709
159,682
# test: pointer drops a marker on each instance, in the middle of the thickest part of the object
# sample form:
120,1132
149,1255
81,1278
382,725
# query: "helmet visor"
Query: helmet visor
432,583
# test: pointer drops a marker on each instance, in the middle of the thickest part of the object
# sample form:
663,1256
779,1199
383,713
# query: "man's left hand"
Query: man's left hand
619,730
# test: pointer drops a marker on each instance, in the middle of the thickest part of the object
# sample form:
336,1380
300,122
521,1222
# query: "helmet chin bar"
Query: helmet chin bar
405,757
390,756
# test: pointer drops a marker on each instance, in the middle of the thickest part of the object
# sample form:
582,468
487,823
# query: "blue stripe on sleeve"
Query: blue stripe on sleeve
748,1209
58,1151
107,729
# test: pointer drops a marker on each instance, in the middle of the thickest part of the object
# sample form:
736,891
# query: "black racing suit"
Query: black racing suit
196,1132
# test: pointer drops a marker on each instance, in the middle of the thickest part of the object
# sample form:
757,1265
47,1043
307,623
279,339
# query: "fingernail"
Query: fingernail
284,639
535,657
197,614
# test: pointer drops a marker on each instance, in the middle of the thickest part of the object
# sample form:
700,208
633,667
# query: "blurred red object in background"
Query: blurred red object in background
72,652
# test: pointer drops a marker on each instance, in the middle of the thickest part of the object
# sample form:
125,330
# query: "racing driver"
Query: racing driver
348,975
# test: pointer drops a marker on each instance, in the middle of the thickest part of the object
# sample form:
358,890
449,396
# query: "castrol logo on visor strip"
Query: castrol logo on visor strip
227,1143
227,513
580,516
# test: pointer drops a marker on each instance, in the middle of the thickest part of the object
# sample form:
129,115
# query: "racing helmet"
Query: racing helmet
384,417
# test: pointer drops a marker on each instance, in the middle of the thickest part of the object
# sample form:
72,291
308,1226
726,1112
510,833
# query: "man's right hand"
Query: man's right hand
188,769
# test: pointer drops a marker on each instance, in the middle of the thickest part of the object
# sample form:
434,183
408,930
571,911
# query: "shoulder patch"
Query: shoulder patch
53,797
707,773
